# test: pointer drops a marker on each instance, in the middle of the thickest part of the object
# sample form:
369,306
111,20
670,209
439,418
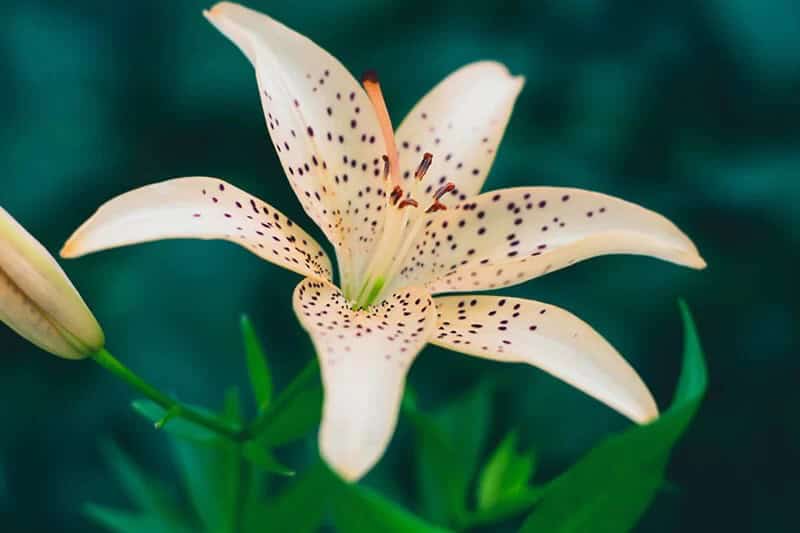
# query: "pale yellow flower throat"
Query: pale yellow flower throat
398,232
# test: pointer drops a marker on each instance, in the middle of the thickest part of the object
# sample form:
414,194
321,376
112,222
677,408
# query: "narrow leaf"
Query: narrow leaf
361,510
450,443
127,522
299,508
510,506
148,495
211,473
611,487
506,474
232,411
263,459
257,368
296,411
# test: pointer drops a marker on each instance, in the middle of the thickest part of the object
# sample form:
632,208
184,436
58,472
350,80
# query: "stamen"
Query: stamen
436,206
397,193
373,88
424,165
444,189
386,167
441,191
407,202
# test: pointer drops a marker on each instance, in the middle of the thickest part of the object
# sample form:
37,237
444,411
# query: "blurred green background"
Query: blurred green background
689,108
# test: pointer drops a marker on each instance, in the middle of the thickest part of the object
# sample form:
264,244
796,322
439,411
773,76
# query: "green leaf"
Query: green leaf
450,443
128,522
610,488
257,368
232,410
212,469
508,507
466,423
296,411
157,512
300,508
505,475
147,494
264,460
358,509
211,478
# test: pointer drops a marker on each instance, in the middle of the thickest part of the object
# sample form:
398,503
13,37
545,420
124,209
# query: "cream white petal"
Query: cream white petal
322,125
461,122
550,338
200,208
508,236
364,357
37,299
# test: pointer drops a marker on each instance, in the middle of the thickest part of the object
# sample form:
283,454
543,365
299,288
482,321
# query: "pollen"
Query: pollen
441,191
424,165
407,202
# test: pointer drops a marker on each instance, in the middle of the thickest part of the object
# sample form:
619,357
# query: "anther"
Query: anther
386,166
444,189
424,165
441,191
437,206
396,194
407,202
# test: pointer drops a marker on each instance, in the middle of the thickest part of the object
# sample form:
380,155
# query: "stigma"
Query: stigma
373,89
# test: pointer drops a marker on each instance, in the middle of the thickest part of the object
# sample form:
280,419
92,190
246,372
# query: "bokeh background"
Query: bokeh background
690,108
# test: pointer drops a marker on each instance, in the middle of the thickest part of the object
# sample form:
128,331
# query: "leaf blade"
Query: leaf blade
362,510
257,366
610,488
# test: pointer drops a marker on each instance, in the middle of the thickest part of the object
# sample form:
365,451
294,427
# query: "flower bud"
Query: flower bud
38,301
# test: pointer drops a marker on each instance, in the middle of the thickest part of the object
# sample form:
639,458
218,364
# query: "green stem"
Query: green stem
242,490
104,358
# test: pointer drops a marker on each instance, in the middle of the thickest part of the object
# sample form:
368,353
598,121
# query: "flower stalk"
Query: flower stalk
173,408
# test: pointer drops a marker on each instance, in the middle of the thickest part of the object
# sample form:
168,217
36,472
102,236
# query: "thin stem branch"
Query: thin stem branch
104,358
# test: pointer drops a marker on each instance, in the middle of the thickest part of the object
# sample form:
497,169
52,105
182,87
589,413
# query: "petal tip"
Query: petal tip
699,263
640,407
691,258
70,250
345,474
349,467
215,12
216,8
519,82
645,414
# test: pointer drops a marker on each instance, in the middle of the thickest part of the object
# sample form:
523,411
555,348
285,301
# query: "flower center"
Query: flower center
400,226
399,233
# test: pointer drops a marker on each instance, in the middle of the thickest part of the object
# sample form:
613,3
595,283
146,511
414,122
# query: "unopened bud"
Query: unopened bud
38,301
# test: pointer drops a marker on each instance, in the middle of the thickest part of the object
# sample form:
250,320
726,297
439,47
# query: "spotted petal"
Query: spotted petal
505,237
461,122
200,208
545,336
322,125
364,357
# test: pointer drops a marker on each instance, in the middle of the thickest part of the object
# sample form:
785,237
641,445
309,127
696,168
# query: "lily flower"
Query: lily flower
38,301
404,213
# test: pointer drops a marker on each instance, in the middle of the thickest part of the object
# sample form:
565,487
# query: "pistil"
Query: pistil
391,160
